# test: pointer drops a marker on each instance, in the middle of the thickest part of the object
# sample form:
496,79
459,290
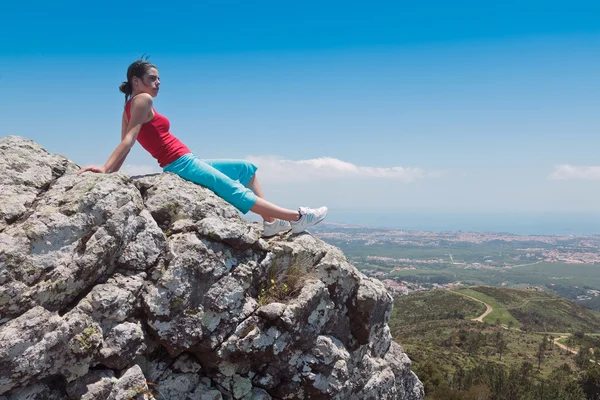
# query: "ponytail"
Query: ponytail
127,89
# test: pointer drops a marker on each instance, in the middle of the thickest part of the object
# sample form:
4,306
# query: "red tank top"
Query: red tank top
155,137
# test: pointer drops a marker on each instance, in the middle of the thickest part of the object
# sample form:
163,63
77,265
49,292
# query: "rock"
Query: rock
257,394
26,170
132,385
113,301
97,384
183,379
39,391
143,250
40,344
114,287
407,382
73,236
271,311
198,300
121,344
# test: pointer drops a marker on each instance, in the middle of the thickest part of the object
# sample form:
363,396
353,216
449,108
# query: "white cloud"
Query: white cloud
140,169
571,172
276,169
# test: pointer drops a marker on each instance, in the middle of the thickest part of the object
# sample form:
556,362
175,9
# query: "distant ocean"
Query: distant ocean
516,223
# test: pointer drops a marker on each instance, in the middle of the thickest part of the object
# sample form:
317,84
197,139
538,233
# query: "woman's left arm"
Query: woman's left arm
123,132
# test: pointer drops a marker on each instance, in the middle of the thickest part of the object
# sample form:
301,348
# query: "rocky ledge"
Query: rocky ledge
118,287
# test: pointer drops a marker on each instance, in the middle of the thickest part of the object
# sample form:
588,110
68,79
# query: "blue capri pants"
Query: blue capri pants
227,178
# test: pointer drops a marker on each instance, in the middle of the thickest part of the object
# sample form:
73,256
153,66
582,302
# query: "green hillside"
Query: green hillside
535,310
457,358
443,304
500,315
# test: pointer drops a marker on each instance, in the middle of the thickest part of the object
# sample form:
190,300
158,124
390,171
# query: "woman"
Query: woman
233,180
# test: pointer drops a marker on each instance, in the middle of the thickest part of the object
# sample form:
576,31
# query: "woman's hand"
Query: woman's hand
99,170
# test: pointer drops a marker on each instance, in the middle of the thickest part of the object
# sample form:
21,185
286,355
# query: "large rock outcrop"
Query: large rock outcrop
114,287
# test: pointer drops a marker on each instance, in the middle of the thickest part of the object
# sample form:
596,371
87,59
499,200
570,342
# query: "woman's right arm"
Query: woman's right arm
140,109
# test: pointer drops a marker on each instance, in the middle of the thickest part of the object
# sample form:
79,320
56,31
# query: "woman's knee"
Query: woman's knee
249,166
249,172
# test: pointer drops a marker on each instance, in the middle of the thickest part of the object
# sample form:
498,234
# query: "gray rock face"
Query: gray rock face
153,287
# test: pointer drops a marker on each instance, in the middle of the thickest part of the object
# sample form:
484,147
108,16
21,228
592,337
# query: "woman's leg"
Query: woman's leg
228,182
255,186
269,211
192,168
245,172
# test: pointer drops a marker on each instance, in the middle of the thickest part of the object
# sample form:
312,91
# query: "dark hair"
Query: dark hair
139,69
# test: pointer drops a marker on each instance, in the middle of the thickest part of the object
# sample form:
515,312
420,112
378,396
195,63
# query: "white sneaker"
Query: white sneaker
309,217
273,228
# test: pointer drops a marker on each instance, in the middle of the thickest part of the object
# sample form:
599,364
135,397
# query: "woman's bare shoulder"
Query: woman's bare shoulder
142,99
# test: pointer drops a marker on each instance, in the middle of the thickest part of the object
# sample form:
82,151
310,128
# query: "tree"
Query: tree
545,341
519,383
501,348
472,344
431,375
562,385
542,350
579,334
590,382
582,359
497,379
462,336
540,353
497,337
448,341
500,343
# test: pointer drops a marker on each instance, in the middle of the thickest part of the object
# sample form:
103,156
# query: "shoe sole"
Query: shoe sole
276,233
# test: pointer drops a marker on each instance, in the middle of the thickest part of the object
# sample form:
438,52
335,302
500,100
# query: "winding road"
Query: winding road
562,346
488,308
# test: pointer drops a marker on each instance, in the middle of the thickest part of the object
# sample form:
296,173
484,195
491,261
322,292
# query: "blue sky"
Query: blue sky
439,106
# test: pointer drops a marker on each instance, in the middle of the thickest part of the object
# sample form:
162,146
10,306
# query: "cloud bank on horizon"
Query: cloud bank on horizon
277,169
575,172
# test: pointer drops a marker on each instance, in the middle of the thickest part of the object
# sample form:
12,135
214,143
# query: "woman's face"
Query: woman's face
149,83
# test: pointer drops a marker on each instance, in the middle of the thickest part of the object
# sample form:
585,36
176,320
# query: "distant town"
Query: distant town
408,261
